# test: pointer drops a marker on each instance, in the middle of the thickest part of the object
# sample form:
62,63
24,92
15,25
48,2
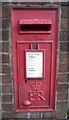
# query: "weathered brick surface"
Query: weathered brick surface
59,114
63,78
55,115
6,69
68,12
64,23
6,89
64,35
7,98
5,35
64,47
8,115
61,96
0,58
62,106
5,58
68,78
0,35
62,88
64,57
7,107
64,11
5,23
5,46
0,78
63,69
6,10
0,46
15,115
6,79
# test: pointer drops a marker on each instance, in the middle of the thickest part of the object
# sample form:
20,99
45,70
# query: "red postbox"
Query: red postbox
34,46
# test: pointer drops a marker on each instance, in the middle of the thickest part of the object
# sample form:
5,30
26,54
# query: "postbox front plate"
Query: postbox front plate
34,89
34,43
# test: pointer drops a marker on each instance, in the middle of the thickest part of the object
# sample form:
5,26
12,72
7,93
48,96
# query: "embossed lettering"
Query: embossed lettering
32,95
40,95
36,95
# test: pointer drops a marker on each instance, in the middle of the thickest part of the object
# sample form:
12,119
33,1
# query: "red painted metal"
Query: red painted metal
34,29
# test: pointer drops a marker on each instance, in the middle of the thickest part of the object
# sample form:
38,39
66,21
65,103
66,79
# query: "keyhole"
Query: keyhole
26,80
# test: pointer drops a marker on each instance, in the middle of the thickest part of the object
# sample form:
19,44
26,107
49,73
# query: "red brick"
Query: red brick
5,46
0,89
62,88
6,11
68,22
62,77
0,68
5,35
1,27
63,68
62,96
64,47
0,10
64,23
9,115
7,98
62,106
5,23
6,69
0,35
64,11
68,12
6,79
64,36
0,58
7,107
67,36
0,78
58,115
0,46
64,57
5,58
14,115
6,89
68,77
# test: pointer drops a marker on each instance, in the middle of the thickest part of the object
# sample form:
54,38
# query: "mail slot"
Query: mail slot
35,25
34,49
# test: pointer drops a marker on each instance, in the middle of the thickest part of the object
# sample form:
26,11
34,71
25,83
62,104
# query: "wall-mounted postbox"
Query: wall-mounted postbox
34,43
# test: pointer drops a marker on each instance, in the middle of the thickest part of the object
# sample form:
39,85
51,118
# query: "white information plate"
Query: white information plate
34,64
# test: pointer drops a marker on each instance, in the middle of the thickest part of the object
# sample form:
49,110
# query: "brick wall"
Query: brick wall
62,63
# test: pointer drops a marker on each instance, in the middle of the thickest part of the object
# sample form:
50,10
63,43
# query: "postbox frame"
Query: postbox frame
15,64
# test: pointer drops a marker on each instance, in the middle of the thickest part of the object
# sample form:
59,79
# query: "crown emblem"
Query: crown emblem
36,86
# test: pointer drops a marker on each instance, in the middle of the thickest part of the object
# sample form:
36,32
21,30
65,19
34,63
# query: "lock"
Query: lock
34,47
